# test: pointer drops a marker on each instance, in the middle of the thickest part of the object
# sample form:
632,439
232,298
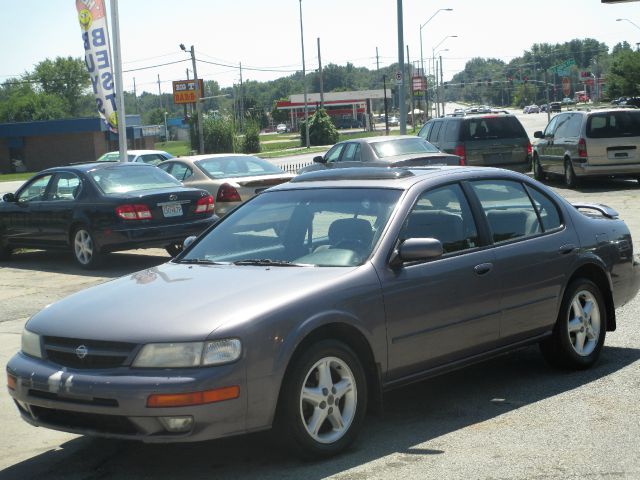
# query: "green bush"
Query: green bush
219,136
322,131
251,142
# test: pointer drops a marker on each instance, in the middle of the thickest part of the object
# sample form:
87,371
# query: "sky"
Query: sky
265,35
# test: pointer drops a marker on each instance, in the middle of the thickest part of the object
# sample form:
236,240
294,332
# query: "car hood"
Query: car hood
178,302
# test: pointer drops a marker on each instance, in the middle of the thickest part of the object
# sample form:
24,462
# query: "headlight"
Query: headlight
191,354
31,344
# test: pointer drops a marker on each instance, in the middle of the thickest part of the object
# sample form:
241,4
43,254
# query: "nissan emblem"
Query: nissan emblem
82,352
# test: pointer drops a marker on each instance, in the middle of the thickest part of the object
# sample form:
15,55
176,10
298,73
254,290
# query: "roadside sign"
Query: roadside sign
585,74
398,78
418,84
564,68
566,86
184,91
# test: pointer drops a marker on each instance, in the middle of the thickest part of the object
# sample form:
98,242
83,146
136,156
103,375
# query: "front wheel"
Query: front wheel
578,336
84,248
324,400
174,249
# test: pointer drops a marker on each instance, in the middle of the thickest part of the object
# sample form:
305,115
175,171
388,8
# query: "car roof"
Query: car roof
141,152
193,158
87,167
380,138
398,178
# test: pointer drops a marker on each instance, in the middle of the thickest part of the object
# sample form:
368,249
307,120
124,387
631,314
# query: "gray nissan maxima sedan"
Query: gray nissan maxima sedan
301,307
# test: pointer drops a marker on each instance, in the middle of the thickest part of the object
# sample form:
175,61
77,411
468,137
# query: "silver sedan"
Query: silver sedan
231,178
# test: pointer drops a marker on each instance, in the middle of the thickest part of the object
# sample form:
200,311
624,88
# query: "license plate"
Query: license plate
172,210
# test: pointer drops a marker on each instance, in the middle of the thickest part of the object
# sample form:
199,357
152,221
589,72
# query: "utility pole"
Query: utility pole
159,93
320,72
198,103
135,95
441,84
241,101
410,82
401,99
377,60
437,90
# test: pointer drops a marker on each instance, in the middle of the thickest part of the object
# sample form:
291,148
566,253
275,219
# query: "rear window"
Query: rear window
492,127
130,179
231,167
614,124
402,146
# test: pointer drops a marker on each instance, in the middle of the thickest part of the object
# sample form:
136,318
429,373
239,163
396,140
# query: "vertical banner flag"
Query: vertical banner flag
97,56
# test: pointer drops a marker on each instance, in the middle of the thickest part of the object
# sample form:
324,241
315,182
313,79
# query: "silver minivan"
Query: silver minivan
589,143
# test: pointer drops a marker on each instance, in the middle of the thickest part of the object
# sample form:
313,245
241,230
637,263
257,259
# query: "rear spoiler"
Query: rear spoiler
603,209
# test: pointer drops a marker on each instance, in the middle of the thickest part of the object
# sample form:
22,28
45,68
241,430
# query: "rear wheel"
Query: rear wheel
324,400
538,173
570,179
578,335
85,251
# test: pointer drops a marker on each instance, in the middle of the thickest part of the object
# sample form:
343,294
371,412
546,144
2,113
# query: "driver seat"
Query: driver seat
350,230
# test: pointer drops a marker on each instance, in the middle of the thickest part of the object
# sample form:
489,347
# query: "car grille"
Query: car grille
86,421
68,352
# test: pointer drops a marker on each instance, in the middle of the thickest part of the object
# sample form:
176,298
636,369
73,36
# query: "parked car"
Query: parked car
496,140
281,128
230,178
580,144
153,157
555,106
382,151
568,101
531,109
348,122
301,307
97,208
394,121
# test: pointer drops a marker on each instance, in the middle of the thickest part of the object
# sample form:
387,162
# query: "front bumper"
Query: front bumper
111,240
112,403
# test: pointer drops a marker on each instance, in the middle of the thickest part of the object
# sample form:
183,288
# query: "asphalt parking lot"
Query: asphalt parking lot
509,418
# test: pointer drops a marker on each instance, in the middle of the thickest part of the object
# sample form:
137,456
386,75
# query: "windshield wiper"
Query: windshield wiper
201,261
270,263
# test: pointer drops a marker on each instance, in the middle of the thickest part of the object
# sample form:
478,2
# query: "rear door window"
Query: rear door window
452,131
614,124
508,209
351,153
435,132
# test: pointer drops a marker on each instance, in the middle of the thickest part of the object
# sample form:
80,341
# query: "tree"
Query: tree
65,77
322,131
219,135
251,142
624,77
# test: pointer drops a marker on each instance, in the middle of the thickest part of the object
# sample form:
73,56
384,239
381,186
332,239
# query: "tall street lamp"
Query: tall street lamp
304,83
627,20
198,103
433,59
422,57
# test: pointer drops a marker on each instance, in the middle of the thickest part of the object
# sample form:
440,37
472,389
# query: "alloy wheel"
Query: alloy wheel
584,323
328,400
83,246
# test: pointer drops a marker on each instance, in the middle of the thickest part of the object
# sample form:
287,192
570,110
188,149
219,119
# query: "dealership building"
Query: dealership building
38,145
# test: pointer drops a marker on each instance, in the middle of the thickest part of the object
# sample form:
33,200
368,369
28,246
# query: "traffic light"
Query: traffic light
510,81
525,80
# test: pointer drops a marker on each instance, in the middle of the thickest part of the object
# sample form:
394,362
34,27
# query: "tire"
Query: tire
579,332
174,249
324,400
538,172
84,248
5,253
570,179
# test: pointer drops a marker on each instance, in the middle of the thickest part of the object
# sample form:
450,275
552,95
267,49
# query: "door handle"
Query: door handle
567,249
483,268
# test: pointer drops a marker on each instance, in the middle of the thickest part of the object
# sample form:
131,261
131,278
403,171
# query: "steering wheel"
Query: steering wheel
350,244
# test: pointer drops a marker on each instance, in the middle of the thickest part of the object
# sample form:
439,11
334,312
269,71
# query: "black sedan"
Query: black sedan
382,151
97,208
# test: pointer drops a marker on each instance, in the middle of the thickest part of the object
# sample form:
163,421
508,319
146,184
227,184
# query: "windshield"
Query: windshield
230,167
311,227
131,178
114,157
402,146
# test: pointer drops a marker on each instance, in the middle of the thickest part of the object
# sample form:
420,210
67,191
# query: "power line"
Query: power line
155,66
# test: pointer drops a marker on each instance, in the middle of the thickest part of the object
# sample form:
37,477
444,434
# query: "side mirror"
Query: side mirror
319,159
416,249
9,197
538,134
188,241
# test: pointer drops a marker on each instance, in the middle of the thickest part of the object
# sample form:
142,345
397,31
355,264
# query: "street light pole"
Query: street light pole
426,96
304,83
121,116
627,20
401,99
